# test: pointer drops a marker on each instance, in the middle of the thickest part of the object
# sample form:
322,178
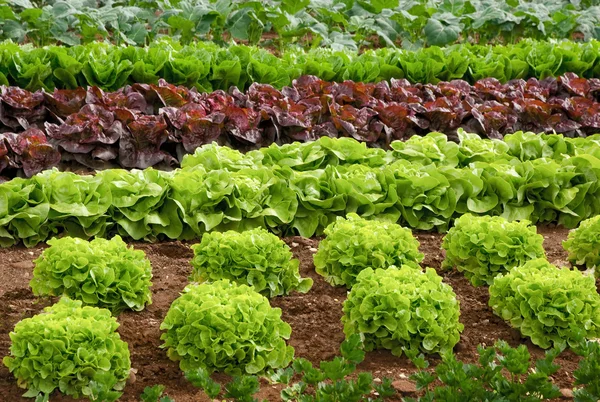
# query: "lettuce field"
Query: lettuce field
308,201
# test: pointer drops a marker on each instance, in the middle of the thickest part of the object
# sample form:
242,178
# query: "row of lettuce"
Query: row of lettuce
209,67
423,183
334,23
147,125
223,321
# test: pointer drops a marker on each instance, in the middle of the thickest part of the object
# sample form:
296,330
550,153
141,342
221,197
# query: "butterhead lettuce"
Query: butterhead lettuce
69,348
222,326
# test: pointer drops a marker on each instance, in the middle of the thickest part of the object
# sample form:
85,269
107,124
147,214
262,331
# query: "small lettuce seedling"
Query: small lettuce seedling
155,394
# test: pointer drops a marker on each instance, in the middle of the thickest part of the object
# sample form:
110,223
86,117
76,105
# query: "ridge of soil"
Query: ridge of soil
317,331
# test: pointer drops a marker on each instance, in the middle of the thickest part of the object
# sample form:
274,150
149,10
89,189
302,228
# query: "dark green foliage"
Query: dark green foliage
240,388
339,24
503,374
330,382
155,394
587,375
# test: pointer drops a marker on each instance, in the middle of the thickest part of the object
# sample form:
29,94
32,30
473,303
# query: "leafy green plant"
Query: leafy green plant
253,257
71,348
103,273
226,327
487,380
338,24
552,306
155,394
587,375
353,244
241,388
330,381
334,178
404,310
484,246
207,66
224,200
583,244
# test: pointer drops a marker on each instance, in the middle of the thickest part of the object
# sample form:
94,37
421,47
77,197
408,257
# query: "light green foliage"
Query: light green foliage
103,273
321,153
552,306
77,203
434,148
353,244
238,200
484,246
404,310
139,203
213,157
207,66
227,327
302,188
472,148
583,244
71,348
254,257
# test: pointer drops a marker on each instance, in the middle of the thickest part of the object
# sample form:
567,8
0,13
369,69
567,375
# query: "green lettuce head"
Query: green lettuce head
102,273
254,257
403,310
583,244
71,348
550,305
353,244
485,246
222,326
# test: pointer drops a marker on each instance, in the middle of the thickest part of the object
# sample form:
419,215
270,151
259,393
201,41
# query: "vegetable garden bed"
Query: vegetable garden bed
314,318
236,200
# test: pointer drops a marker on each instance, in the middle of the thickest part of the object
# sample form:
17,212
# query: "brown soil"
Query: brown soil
314,317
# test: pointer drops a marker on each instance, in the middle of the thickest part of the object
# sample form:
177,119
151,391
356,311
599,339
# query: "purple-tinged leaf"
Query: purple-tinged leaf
64,102
20,108
139,147
33,151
